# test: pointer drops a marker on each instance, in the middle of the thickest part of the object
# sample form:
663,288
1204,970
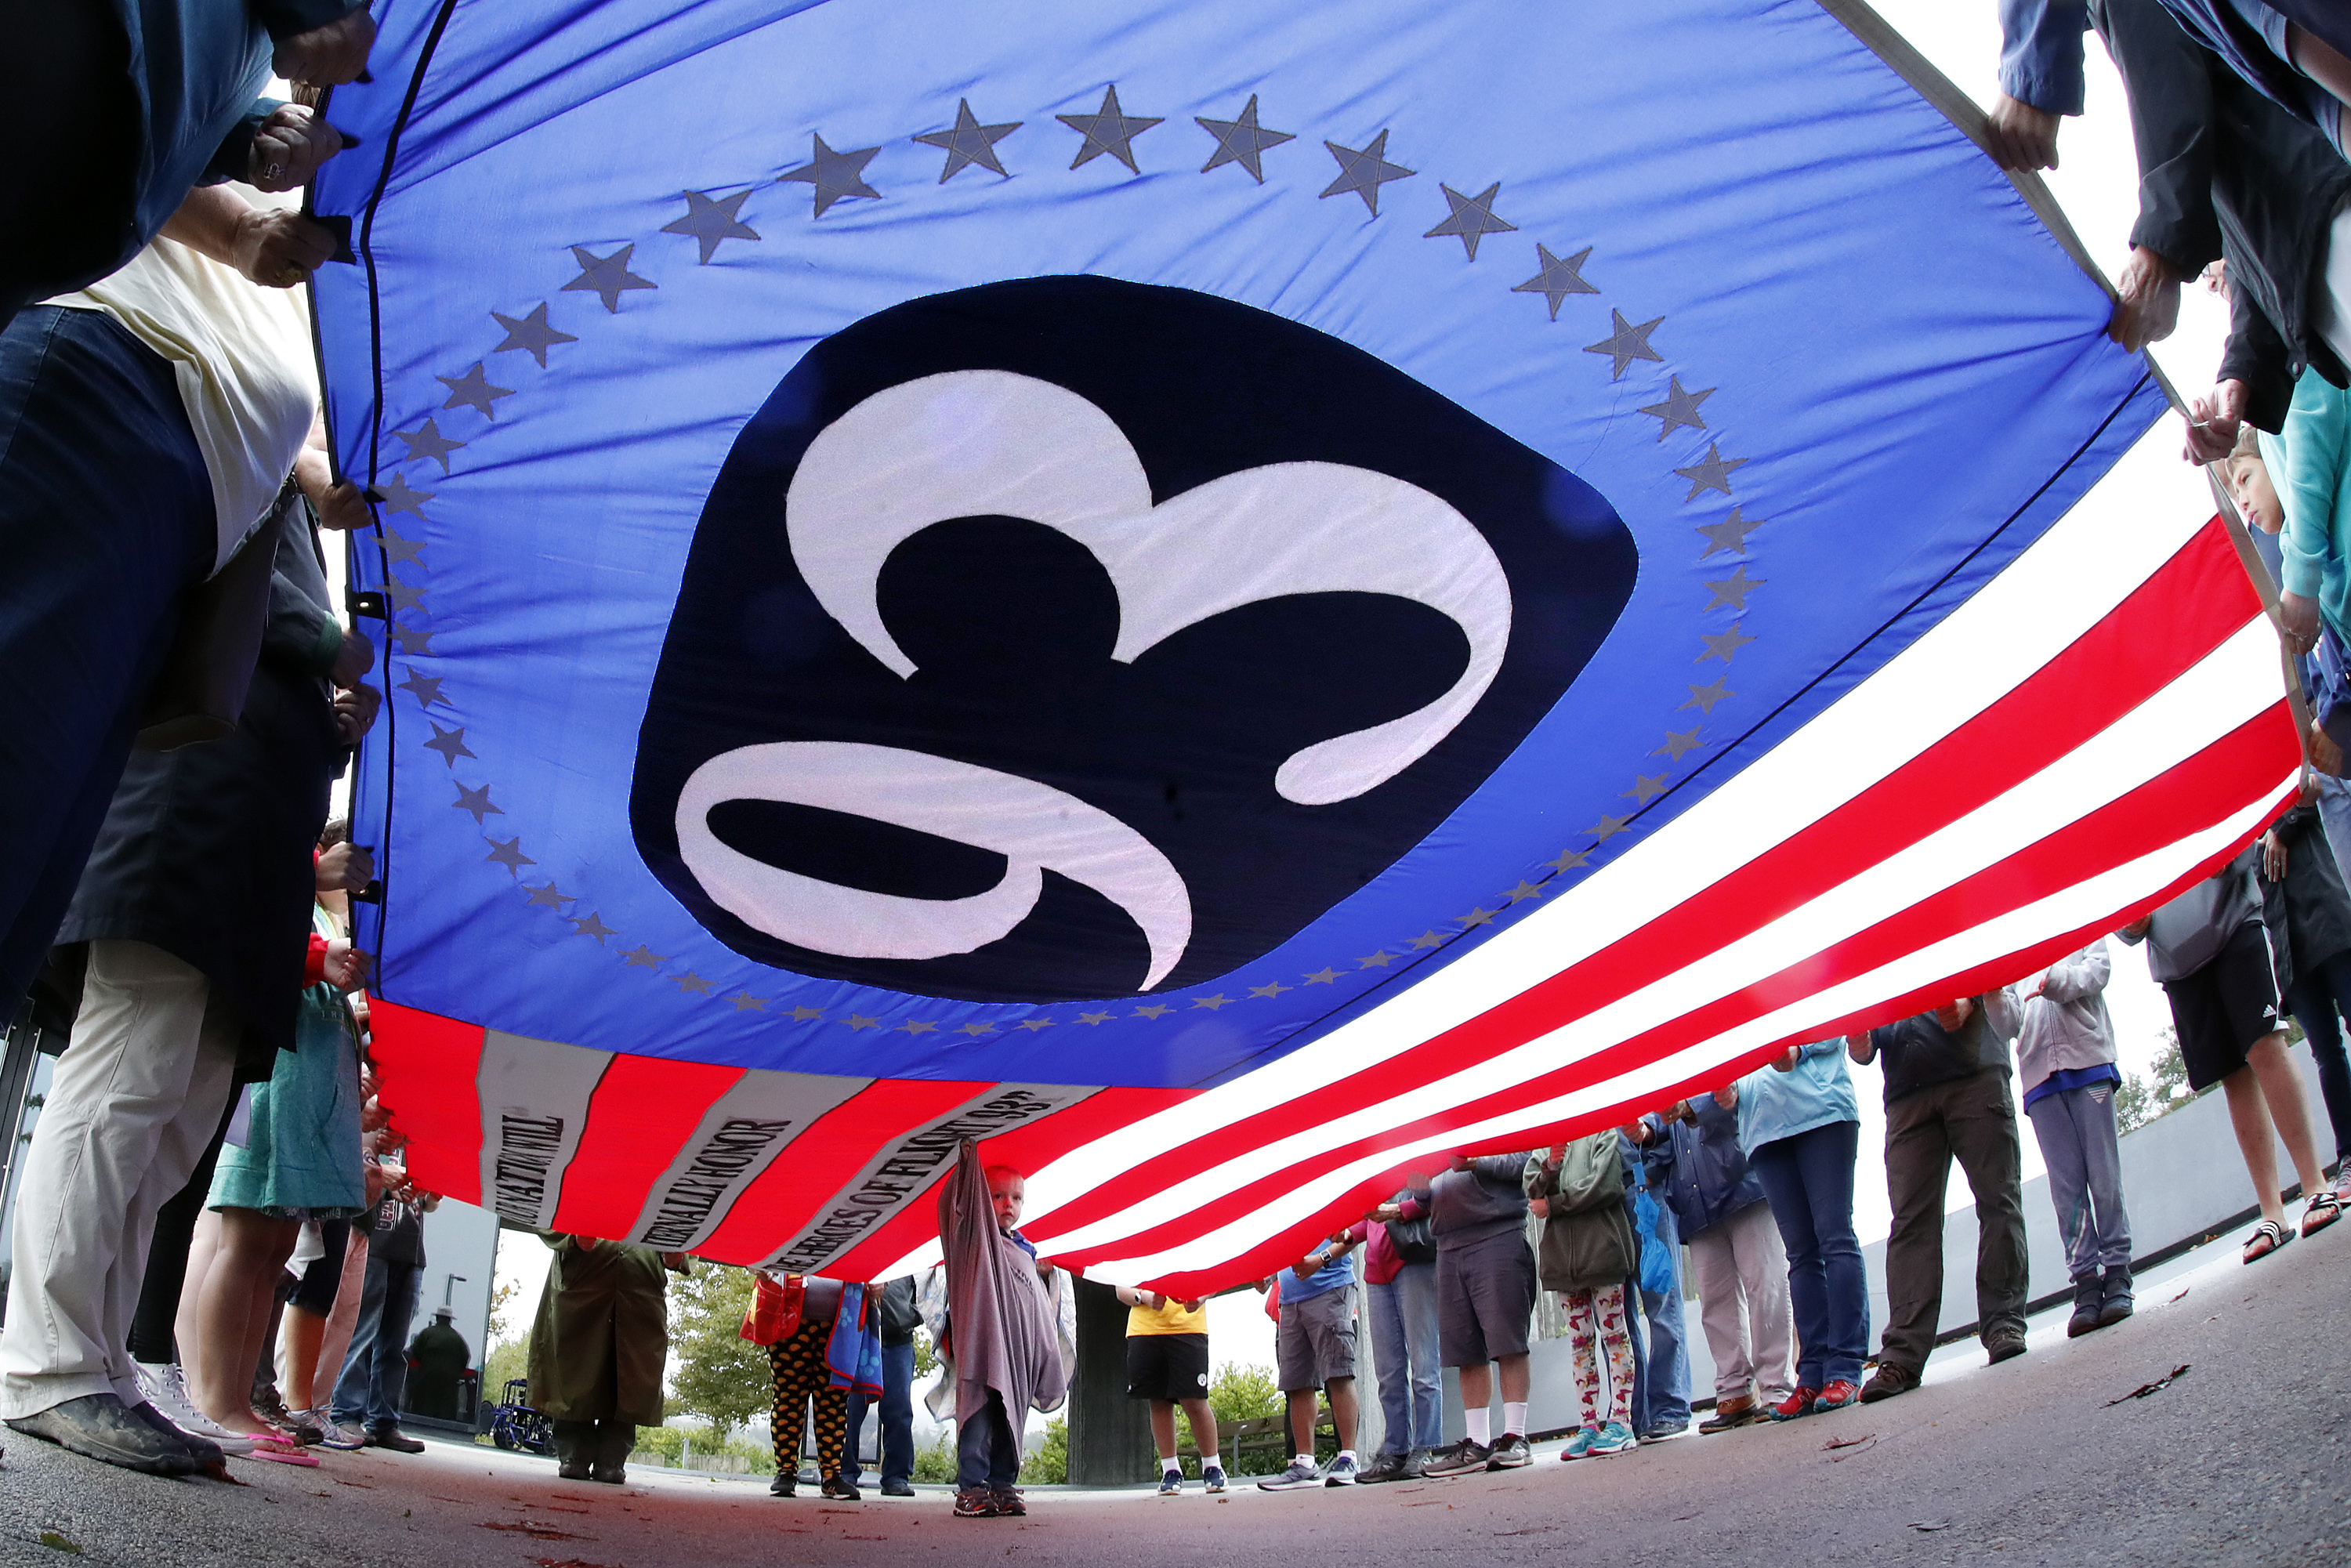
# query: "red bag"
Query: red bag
775,1314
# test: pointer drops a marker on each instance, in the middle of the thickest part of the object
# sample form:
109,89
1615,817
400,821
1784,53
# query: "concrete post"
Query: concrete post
1110,1434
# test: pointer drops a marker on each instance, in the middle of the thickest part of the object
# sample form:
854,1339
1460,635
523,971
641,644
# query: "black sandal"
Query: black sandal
2266,1238
2322,1209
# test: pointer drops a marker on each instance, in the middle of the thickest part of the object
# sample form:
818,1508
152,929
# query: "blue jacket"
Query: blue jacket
1773,1104
1700,1172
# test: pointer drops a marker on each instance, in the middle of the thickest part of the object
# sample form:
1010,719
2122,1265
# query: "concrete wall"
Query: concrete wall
2183,1178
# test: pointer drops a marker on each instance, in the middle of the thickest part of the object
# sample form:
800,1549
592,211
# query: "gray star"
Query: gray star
449,743
1730,534
690,981
1677,742
1569,860
859,1023
1429,939
395,548
531,333
1271,990
509,855
473,389
808,1015
606,276
1478,917
1703,698
1626,342
643,958
1213,1004
1472,217
1721,645
1107,130
1524,891
745,1002
1095,1018
710,222
1733,589
1608,828
1679,409
428,442
425,689
592,926
1645,790
548,896
917,1026
975,1028
403,596
1365,171
477,801
1241,142
396,497
1324,977
1156,1012
1714,474
969,143
411,641
1558,279
1033,1025
837,176
1379,960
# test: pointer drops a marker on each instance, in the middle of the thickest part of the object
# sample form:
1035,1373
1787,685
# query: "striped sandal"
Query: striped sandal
2322,1209
2266,1238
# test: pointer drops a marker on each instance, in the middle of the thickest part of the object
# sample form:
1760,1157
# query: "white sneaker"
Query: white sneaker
338,1434
166,1389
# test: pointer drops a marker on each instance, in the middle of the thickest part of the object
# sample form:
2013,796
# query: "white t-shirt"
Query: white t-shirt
242,355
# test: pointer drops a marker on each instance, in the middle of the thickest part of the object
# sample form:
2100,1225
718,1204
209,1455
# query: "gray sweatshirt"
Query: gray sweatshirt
1486,1199
2065,1025
2189,932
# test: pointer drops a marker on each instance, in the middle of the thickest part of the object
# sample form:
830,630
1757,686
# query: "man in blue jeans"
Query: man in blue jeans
1661,1407
900,1317
1400,1286
374,1379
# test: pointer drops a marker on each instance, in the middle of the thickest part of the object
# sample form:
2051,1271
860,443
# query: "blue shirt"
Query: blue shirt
2041,53
1773,1104
1339,1272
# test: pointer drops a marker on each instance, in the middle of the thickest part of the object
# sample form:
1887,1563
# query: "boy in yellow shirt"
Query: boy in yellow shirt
1167,1363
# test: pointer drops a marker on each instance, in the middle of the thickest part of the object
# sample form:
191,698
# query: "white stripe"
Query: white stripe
2066,909
2071,578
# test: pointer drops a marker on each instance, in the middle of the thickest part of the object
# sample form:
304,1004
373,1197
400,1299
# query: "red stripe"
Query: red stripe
825,1158
642,1112
2206,788
2190,605
429,1068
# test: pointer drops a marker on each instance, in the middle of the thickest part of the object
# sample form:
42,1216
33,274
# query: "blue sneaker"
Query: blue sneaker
1615,1438
1212,1480
1170,1482
1579,1443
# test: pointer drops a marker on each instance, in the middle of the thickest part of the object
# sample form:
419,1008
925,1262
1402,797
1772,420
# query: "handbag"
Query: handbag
775,1311
1414,1241
199,692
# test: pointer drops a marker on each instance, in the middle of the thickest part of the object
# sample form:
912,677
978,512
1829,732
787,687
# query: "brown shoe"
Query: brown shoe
1729,1413
1887,1382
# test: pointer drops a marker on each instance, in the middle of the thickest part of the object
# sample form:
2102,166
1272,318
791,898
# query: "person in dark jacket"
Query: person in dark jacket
181,968
1588,1250
2306,892
1661,1406
161,96
1485,1305
1735,1252
597,1350
1946,1098
900,1316
372,1382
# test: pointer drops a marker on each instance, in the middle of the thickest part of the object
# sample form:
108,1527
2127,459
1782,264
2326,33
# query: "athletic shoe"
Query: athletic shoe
2002,1347
391,1437
1415,1464
1836,1395
1730,1413
1171,1483
1887,1382
1008,1502
1341,1472
1665,1434
1579,1443
1798,1403
100,1426
1212,1480
206,1453
1386,1468
971,1502
786,1484
1614,1438
299,1425
1510,1453
166,1389
1299,1474
1464,1457
2114,1297
2089,1295
841,1489
333,1433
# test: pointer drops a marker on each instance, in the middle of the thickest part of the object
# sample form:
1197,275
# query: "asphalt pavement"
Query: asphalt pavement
2243,1457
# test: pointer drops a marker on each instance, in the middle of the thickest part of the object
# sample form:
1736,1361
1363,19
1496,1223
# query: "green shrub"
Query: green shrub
1050,1465
936,1464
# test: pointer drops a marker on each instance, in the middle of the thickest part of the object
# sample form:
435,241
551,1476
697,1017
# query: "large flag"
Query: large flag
1229,599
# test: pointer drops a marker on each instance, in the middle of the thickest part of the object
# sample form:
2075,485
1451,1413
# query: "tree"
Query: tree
2139,1101
721,1376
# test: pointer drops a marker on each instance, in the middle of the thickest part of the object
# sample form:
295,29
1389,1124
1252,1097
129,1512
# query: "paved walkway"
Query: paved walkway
2246,1458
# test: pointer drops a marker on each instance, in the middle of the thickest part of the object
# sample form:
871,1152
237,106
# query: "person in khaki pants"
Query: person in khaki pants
1946,1097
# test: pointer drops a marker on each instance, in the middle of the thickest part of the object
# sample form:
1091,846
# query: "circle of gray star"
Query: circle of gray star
836,176
1241,142
426,441
450,744
1365,170
1714,474
710,222
1730,534
473,389
1559,277
475,801
606,276
531,333
1679,411
1472,217
1627,342
395,495
1733,589
1108,129
969,143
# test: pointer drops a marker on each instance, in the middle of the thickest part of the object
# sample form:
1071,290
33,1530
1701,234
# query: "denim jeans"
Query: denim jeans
897,1444
2315,1000
988,1450
2075,1129
374,1379
1661,1396
1403,1348
1808,1179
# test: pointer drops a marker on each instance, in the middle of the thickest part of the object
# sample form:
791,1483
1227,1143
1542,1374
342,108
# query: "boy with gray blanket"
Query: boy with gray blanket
1007,1356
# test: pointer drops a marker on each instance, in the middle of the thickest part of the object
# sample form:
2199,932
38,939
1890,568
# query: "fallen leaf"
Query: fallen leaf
1862,1445
56,1543
1930,1524
2183,1294
2145,1390
1530,1530
536,1532
363,1486
566,1562
1848,1442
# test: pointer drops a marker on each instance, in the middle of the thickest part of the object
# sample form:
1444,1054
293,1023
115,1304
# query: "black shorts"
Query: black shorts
1167,1366
2224,1007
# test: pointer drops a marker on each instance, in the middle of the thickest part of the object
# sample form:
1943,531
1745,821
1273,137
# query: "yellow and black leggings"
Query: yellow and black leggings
800,1376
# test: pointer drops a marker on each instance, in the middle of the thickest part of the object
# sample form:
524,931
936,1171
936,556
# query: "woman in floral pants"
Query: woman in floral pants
1588,1253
